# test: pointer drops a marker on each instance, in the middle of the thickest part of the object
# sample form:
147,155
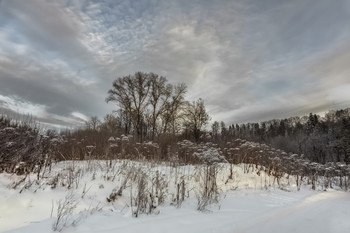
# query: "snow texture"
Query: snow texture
250,202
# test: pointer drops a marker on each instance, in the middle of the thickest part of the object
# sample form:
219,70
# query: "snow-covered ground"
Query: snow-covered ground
249,202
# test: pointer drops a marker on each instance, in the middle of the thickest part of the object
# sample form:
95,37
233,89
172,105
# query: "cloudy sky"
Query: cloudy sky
250,60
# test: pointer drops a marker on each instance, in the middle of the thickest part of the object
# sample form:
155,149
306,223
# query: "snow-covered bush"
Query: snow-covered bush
207,153
208,192
24,148
65,209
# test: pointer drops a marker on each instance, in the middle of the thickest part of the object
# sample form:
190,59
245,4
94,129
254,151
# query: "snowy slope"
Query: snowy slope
249,208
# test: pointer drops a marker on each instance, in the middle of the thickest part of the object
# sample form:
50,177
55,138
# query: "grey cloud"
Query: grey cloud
60,94
44,25
56,66
51,32
247,59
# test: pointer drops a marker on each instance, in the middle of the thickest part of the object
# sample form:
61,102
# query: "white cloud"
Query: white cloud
80,116
17,104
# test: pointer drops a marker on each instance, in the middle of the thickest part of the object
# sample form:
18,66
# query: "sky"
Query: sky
250,60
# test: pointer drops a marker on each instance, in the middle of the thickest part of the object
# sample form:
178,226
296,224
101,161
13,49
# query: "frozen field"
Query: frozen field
248,202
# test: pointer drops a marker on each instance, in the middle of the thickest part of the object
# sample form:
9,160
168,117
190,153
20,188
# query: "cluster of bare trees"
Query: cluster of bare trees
150,106
149,111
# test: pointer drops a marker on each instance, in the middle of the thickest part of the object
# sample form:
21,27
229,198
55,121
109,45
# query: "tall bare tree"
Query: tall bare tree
131,93
174,108
215,129
196,118
159,95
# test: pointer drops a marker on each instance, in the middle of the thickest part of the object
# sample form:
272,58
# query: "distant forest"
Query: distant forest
320,139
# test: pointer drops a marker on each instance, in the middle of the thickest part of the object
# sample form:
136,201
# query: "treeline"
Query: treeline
24,150
154,121
320,139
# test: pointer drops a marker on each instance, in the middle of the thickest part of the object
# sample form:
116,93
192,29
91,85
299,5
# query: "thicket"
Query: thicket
87,144
23,148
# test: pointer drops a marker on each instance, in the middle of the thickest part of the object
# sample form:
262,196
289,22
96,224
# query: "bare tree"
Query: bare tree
111,123
173,108
147,101
93,123
223,130
131,93
159,94
196,117
215,129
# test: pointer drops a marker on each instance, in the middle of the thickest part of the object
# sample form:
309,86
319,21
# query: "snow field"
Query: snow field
252,201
